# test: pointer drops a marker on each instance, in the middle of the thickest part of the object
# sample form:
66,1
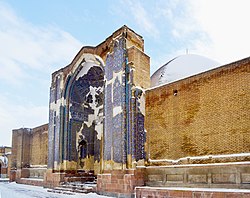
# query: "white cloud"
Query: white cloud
216,29
28,47
15,116
141,16
28,55
226,24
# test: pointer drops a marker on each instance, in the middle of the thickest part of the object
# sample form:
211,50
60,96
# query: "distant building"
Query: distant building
184,127
29,153
5,154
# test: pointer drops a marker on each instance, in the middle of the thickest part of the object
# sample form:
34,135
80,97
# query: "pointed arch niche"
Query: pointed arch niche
82,119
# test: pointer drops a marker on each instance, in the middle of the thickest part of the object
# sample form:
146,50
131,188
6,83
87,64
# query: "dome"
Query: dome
182,67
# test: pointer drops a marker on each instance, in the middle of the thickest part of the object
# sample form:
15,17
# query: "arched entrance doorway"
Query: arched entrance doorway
85,117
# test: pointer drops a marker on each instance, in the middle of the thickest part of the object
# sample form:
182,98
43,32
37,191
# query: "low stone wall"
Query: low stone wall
31,181
228,175
12,175
150,192
120,183
37,172
29,176
52,180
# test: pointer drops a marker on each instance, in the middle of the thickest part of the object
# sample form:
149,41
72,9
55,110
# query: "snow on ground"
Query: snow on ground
13,190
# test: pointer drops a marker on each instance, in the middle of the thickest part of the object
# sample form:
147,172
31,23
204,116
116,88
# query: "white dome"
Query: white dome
182,67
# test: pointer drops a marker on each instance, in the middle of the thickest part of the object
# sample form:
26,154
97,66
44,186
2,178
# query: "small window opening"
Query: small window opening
175,92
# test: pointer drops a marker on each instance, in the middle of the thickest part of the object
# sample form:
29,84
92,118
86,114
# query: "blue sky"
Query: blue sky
39,37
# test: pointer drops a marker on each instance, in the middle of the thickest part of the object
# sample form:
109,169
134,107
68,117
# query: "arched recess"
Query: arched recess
83,116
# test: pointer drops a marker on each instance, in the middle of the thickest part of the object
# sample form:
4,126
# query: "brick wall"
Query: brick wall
39,145
120,183
142,67
204,114
21,147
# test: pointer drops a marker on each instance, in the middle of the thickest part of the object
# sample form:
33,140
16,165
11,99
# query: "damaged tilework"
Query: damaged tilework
96,115
124,133
140,135
54,123
76,115
86,103
114,105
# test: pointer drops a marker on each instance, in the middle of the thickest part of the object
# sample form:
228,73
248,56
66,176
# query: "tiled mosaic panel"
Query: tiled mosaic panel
52,95
54,125
127,118
133,126
117,93
74,126
57,137
140,137
50,140
114,126
138,129
80,109
57,89
109,67
118,140
62,142
108,122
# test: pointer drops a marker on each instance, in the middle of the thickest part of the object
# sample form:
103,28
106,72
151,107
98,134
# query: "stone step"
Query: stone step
83,179
60,192
71,191
68,189
78,187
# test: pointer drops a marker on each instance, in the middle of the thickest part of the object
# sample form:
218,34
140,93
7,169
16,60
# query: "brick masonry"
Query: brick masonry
53,179
29,147
207,114
120,183
29,154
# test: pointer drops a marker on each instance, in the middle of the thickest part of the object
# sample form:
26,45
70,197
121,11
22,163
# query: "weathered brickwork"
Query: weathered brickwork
39,145
29,153
207,114
21,147
120,183
141,75
30,146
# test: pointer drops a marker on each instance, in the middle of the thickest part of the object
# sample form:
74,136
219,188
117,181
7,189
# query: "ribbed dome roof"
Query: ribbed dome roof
182,67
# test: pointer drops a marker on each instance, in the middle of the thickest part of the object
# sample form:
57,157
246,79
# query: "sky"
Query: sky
39,37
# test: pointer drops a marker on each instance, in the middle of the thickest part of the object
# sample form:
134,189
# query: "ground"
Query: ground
13,190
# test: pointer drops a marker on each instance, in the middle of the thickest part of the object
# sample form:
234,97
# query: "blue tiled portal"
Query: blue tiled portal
73,133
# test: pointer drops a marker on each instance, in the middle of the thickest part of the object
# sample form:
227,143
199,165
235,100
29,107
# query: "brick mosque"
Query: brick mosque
112,124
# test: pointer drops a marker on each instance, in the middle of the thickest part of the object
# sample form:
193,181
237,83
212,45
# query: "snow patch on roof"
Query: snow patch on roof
182,67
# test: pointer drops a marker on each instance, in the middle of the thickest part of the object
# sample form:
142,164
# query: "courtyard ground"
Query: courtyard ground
14,190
